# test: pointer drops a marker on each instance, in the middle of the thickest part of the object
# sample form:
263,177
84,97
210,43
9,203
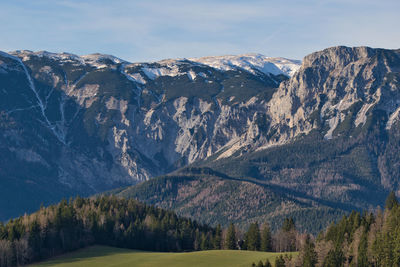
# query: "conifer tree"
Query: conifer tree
204,244
288,225
253,239
309,254
279,261
266,238
335,258
218,237
35,239
230,242
391,201
3,231
288,235
362,260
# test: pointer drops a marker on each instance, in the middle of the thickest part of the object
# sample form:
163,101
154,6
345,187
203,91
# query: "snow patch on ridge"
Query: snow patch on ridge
101,61
135,77
154,73
192,75
64,57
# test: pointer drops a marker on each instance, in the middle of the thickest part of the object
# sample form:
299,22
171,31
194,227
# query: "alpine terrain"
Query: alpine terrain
233,138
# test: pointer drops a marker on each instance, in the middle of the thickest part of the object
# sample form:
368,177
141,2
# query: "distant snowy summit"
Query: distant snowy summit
96,60
249,62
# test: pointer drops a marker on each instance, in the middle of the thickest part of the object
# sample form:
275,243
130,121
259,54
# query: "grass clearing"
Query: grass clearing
97,256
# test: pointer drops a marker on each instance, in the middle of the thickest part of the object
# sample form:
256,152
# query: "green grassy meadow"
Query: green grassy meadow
101,256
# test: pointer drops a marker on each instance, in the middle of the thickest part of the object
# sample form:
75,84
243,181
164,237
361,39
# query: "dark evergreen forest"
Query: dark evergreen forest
127,223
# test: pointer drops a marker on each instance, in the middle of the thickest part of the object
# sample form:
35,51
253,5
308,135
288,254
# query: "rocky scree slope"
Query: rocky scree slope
81,125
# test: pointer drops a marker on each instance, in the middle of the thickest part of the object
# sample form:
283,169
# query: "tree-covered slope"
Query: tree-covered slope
213,198
82,222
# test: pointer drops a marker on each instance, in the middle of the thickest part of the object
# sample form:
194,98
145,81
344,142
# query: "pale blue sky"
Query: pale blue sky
149,30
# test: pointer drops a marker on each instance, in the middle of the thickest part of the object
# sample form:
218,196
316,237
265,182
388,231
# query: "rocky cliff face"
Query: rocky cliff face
342,92
329,85
91,123
332,81
330,133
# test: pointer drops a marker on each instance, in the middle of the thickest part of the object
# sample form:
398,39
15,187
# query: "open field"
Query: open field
97,256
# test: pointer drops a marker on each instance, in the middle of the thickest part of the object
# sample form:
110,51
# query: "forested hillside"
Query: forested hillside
214,198
359,239
366,239
118,222
106,220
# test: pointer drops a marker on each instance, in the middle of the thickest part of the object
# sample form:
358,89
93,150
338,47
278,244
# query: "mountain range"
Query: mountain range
229,138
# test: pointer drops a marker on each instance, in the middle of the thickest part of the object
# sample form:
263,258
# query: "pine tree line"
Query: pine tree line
127,223
105,220
260,238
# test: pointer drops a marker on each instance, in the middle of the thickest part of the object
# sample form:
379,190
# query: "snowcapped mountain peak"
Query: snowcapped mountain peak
250,62
253,63
170,62
102,59
26,54
96,60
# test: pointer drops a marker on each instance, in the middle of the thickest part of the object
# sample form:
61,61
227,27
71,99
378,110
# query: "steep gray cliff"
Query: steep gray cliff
330,133
323,91
82,125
